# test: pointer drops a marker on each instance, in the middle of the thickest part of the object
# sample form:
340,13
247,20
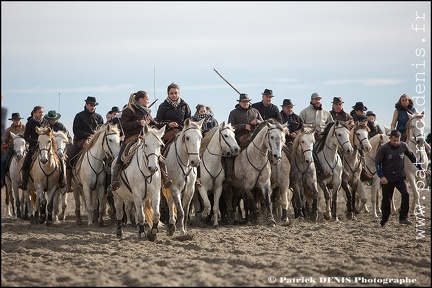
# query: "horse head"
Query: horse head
111,141
227,140
61,141
152,145
191,137
19,145
341,135
305,142
46,143
359,136
276,137
415,128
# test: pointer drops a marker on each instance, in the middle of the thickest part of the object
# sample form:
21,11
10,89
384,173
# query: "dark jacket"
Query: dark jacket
30,134
295,124
131,121
268,112
167,113
240,117
341,116
85,123
58,126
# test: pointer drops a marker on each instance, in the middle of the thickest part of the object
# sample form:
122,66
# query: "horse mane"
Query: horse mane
378,140
321,142
263,124
99,130
413,116
206,140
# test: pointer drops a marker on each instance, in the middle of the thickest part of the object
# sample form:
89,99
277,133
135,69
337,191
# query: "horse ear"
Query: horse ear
200,123
146,129
38,129
13,135
187,122
161,131
223,124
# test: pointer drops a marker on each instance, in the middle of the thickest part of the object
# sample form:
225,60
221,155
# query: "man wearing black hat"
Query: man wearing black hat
267,109
244,118
17,128
358,112
337,111
84,125
295,123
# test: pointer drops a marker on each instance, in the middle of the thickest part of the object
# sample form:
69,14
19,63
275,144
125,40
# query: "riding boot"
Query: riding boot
25,170
115,182
229,169
198,183
69,180
62,176
24,179
166,181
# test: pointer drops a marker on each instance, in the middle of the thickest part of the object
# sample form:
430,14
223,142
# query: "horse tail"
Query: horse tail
168,195
148,211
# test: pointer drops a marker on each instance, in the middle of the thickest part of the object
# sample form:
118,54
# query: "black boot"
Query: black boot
68,180
229,169
24,179
166,181
115,182
62,180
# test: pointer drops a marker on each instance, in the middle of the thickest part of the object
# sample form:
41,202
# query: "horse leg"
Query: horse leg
155,202
172,210
269,206
230,202
8,200
103,202
118,203
62,215
327,213
334,202
139,207
50,205
313,191
77,196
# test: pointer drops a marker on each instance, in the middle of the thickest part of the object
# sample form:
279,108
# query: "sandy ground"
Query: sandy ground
325,253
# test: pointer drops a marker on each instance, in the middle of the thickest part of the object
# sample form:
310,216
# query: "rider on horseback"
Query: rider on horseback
17,128
134,117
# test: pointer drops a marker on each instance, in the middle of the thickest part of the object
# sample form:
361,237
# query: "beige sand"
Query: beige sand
304,253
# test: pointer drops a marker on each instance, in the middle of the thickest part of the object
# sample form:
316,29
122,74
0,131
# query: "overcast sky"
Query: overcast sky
55,54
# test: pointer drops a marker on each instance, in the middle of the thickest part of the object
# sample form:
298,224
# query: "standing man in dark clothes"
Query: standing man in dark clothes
84,125
267,109
389,163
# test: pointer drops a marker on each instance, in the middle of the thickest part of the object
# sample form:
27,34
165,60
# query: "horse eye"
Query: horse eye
187,138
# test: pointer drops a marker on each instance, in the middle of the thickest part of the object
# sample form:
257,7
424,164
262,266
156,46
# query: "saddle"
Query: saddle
132,144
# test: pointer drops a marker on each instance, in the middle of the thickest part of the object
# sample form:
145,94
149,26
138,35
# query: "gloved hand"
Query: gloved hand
4,146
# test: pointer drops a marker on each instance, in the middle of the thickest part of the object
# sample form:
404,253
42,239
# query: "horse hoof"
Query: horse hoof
152,237
171,229
49,223
119,233
271,224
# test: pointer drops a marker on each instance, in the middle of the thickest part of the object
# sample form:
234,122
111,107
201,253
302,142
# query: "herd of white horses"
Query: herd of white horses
269,179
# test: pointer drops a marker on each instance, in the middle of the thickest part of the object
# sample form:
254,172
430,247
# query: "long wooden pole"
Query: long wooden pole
226,81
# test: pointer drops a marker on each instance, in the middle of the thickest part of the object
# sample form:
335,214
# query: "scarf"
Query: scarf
39,120
172,102
144,110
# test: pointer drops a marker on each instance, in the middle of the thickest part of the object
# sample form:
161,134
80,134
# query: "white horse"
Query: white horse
61,140
253,169
353,167
303,175
218,142
141,182
44,176
12,178
182,159
89,172
335,137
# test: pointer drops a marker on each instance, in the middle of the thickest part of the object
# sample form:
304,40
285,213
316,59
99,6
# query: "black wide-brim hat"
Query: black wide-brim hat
52,115
91,100
268,92
16,116
115,109
359,106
